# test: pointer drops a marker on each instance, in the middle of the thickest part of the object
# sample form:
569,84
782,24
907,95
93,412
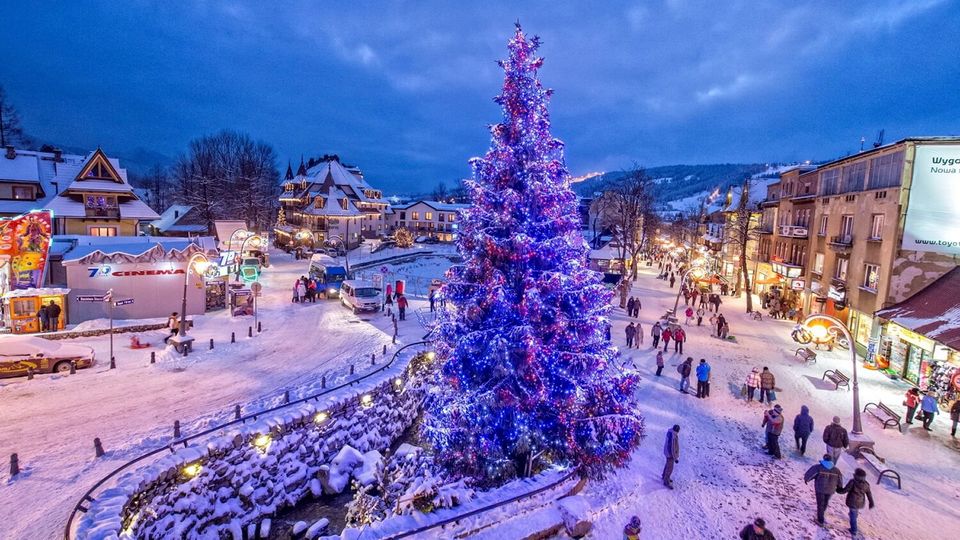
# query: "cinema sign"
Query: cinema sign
106,271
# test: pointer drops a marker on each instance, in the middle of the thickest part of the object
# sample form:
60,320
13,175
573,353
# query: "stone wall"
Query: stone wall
230,483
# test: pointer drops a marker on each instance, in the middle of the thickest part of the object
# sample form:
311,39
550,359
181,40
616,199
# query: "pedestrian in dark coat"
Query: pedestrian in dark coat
858,493
43,317
671,454
631,332
636,308
659,362
700,314
53,316
685,368
756,531
673,279
827,481
836,438
773,420
954,417
721,320
802,428
655,334
630,307
767,383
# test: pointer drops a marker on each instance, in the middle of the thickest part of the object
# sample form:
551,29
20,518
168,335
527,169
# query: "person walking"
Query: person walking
756,531
673,279
721,320
836,438
432,298
684,369
638,337
700,314
858,493
636,308
911,400
671,454
773,421
929,407
679,336
703,379
630,306
802,428
402,306
53,316
666,335
43,317
954,417
753,384
659,363
630,331
827,480
767,384
655,334
689,313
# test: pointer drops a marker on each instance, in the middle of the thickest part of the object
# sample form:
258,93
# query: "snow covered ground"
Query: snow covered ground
725,480
51,421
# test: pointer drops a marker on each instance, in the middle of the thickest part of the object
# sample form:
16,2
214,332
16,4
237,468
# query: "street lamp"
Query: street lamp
199,264
821,333
246,234
697,270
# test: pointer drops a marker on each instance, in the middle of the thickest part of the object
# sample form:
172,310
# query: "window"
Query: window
451,217
846,226
880,195
428,215
102,231
415,216
818,263
23,193
853,176
841,270
403,215
876,226
318,202
871,276
830,182
823,226
343,204
440,216
101,206
885,171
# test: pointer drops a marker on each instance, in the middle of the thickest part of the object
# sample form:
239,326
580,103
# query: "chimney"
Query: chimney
58,155
11,153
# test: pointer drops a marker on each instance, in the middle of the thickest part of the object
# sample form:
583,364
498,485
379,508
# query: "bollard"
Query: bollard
249,331
153,357
73,367
233,337
236,412
384,350
186,351
29,373
211,344
98,447
286,396
373,359
14,465
113,362
351,369
259,327
176,429
323,381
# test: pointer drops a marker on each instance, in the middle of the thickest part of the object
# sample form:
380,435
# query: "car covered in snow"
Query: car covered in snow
18,354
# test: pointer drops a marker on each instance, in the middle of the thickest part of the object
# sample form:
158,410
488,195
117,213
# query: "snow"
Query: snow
52,420
342,467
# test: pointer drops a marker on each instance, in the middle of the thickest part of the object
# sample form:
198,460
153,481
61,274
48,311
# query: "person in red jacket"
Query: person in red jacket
666,335
402,306
679,336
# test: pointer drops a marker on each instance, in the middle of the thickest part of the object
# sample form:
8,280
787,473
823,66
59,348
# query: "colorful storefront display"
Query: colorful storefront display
24,246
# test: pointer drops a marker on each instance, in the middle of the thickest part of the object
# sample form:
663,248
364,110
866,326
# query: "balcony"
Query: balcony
793,231
841,243
102,212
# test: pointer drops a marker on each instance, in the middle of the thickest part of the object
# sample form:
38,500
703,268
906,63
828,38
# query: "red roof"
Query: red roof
933,312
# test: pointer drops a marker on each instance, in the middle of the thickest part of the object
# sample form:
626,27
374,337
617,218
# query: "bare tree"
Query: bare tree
741,228
622,210
11,132
440,193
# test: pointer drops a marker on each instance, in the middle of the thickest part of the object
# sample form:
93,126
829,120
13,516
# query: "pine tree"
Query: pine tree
526,372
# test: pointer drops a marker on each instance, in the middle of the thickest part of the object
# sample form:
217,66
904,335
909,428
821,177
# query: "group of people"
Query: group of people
929,409
304,290
49,317
764,381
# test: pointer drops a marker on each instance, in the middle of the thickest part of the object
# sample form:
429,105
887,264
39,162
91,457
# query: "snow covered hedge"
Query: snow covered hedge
233,481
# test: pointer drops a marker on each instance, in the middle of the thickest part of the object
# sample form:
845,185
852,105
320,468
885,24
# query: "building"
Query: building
427,218
329,203
178,220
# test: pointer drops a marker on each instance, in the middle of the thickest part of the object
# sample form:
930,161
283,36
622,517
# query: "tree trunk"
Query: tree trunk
746,281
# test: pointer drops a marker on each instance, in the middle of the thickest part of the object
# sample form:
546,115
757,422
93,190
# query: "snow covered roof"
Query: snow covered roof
129,208
133,247
169,218
606,253
933,312
45,291
350,183
440,206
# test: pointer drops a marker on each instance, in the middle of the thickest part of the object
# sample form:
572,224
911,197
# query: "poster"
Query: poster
25,244
933,217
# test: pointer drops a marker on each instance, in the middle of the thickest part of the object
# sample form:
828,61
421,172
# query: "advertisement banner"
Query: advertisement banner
933,217
25,243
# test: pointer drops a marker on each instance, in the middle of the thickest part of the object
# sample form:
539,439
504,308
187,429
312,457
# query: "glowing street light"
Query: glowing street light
697,270
199,264
820,327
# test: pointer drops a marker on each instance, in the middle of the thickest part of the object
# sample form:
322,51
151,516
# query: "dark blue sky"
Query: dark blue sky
403,89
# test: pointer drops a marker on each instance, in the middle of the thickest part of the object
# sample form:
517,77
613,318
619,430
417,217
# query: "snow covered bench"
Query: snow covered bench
879,464
883,413
837,378
805,354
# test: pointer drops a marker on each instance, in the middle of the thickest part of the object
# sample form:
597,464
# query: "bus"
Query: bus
329,274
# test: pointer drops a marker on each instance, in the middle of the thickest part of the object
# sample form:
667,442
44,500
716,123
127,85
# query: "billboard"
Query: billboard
24,245
933,216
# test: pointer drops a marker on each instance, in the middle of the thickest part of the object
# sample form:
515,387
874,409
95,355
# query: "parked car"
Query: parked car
20,353
360,295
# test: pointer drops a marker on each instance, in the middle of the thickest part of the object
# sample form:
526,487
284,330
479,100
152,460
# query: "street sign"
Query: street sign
109,296
90,298
123,302
256,287
384,270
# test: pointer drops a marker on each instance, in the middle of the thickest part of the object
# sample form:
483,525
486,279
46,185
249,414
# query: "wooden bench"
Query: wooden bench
805,354
884,414
837,378
879,464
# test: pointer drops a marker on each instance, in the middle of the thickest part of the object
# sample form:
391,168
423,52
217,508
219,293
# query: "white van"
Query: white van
360,295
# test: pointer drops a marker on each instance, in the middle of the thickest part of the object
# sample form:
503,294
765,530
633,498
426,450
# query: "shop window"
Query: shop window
818,264
102,231
823,226
876,226
871,276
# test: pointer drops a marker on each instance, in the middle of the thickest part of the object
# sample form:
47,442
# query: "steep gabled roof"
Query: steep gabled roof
933,312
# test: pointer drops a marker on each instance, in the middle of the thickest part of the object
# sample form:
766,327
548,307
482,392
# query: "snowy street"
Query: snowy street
51,421
724,479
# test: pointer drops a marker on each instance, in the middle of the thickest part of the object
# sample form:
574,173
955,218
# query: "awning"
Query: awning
768,281
933,312
715,279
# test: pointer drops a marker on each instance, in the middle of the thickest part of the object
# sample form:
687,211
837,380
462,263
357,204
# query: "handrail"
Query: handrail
87,497
486,508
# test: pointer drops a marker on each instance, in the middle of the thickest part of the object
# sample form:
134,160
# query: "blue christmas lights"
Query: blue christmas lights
526,367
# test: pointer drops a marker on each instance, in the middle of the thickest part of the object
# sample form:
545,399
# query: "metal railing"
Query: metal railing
185,441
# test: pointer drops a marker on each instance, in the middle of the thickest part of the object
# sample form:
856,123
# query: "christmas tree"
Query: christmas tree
526,370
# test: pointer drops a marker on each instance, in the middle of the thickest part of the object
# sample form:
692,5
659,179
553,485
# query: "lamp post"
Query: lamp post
198,262
697,271
820,332
247,234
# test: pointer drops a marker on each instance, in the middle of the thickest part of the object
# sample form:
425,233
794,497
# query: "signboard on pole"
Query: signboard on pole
933,218
89,298
123,302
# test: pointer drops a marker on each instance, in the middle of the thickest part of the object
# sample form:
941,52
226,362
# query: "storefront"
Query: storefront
21,308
